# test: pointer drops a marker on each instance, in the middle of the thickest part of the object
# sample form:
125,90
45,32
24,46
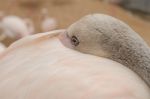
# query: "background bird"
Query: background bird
2,48
16,27
47,23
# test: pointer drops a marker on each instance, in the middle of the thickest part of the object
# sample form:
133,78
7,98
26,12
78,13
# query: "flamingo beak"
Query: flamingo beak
65,40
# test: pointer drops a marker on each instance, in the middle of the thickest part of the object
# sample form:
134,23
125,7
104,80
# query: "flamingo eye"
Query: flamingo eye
75,41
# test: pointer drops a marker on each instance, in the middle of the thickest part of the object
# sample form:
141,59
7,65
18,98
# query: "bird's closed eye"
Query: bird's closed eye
75,41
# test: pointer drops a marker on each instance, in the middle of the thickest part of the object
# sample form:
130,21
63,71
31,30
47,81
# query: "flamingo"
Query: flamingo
57,72
2,47
16,27
48,23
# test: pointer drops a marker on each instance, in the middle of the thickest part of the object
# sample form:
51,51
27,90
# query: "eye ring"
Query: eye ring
75,41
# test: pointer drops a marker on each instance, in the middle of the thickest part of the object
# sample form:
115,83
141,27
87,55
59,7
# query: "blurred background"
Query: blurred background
19,18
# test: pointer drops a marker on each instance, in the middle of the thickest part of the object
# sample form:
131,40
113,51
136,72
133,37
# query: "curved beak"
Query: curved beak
65,40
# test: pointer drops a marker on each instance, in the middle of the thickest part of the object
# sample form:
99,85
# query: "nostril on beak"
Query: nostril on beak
65,40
